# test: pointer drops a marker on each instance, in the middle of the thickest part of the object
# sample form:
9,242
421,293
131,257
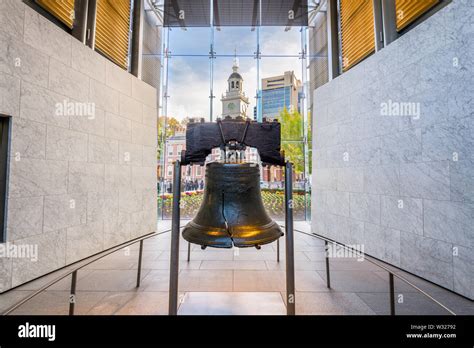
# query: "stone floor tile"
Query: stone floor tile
355,281
145,303
236,264
232,303
259,281
205,280
57,303
155,280
299,265
330,303
409,304
11,297
309,281
110,280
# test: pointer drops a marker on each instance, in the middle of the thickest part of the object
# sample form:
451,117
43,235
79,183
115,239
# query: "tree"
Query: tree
292,138
172,125
309,139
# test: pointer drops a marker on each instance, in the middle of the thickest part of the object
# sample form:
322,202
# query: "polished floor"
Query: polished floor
233,281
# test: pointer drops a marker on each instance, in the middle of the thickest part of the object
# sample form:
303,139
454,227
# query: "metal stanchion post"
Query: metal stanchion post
139,271
392,294
290,258
328,278
72,296
174,258
278,250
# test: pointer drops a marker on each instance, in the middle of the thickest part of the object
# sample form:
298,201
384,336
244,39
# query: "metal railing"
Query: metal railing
392,275
74,270
327,241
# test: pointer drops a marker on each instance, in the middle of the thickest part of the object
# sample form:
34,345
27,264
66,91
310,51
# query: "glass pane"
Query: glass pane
223,68
188,88
280,41
281,98
281,87
276,78
231,40
192,41
188,97
272,184
191,197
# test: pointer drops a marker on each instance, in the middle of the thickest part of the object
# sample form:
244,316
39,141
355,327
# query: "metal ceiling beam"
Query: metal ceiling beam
255,14
217,20
313,11
154,7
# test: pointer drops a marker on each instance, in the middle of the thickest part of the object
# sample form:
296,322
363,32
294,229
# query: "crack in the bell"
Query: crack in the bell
227,228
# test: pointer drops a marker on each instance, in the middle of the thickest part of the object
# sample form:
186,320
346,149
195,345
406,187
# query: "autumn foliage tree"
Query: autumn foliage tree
292,138
167,127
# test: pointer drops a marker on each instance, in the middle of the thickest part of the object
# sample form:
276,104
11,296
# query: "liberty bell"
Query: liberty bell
232,211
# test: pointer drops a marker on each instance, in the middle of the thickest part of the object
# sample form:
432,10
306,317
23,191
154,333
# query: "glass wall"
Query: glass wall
196,64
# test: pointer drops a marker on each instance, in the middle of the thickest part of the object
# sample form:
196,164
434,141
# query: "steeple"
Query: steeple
235,67
235,103
235,80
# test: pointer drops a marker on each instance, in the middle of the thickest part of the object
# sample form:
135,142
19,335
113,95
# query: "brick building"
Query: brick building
192,175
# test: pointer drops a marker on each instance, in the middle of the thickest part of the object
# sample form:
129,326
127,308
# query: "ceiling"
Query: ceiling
197,13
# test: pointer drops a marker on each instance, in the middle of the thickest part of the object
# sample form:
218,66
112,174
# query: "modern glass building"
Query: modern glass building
280,93
275,100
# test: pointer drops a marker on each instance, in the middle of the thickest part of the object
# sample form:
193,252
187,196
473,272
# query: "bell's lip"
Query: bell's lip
247,236
245,243
221,238
241,236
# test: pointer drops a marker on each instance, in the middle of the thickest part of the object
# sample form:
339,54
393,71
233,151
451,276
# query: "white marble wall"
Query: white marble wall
403,186
77,185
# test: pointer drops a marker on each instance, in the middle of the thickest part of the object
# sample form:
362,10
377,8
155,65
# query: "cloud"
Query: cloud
189,81
188,87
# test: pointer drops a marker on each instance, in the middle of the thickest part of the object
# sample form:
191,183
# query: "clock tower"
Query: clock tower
234,103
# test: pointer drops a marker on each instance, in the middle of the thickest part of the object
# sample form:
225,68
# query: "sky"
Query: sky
189,80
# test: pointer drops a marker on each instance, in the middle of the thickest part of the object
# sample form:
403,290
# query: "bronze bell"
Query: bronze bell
232,211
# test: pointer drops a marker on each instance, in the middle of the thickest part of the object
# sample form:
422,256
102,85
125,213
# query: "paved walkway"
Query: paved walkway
235,281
